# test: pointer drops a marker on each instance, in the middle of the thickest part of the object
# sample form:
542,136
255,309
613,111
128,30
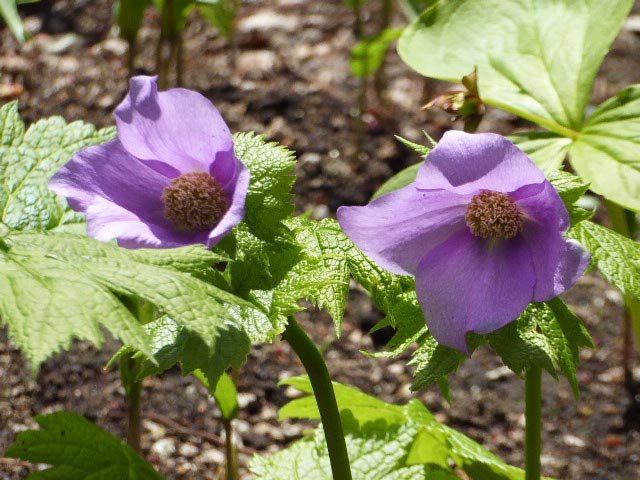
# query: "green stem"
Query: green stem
314,364
131,56
128,371
233,462
231,451
533,425
622,222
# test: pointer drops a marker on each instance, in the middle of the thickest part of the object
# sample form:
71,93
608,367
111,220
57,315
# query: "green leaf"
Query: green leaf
385,288
28,161
129,14
546,335
434,361
368,55
77,449
322,275
547,149
173,343
571,189
44,314
269,199
384,441
9,13
421,150
221,14
617,257
528,62
226,395
399,180
607,151
363,408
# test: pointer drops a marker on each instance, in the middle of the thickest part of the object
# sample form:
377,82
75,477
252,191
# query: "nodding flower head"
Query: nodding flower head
481,229
170,179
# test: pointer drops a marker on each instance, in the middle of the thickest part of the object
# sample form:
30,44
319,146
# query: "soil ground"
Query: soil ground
286,75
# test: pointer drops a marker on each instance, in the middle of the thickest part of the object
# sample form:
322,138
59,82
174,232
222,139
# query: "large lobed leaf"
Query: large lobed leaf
617,257
528,61
59,287
384,441
29,159
607,153
269,200
77,449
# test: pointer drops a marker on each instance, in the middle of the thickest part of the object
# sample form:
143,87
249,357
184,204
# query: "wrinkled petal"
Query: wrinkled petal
107,221
572,266
109,172
558,262
466,285
175,131
466,163
396,229
236,189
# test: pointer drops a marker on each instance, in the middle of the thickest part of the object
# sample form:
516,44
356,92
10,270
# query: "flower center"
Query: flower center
194,201
494,215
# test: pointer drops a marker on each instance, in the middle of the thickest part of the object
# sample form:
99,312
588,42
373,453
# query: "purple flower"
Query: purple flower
482,231
170,178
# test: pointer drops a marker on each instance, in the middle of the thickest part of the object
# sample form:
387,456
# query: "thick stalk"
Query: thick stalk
133,387
533,423
622,222
231,451
314,364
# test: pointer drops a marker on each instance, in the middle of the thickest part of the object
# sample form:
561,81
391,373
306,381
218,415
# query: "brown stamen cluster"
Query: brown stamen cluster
494,215
194,201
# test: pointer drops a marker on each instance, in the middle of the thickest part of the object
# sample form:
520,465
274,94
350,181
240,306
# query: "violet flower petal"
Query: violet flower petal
396,229
467,284
175,131
236,189
558,262
466,163
108,171
107,221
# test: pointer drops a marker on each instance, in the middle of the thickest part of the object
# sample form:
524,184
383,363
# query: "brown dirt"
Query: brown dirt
286,76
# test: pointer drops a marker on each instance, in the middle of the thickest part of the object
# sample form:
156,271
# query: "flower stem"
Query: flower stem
533,419
128,371
622,222
231,451
313,363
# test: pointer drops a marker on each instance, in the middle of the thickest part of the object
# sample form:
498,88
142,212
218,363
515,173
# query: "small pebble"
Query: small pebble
165,447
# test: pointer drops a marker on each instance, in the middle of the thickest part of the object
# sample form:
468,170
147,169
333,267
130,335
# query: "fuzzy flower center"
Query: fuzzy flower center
194,201
494,215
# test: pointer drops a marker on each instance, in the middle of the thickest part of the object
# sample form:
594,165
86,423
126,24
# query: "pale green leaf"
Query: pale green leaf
548,150
28,161
9,13
44,313
269,199
528,61
617,257
220,14
322,275
399,180
77,449
607,153
367,56
546,335
384,441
